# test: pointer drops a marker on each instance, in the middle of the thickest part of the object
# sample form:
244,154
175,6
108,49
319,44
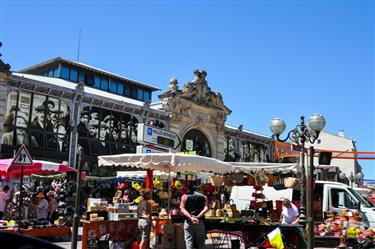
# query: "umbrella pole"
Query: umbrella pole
20,201
169,193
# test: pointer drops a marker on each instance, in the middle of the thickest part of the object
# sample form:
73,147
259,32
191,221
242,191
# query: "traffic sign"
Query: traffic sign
23,157
145,150
157,137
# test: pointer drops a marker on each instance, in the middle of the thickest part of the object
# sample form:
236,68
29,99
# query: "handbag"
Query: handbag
261,178
278,184
217,180
228,181
290,182
236,178
270,180
250,180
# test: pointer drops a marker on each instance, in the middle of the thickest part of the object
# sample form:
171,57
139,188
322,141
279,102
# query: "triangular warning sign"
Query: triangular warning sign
22,157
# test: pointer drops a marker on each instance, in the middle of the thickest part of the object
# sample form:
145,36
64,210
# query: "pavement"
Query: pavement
66,243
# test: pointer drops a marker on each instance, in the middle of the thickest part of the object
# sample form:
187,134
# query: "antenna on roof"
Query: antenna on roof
79,44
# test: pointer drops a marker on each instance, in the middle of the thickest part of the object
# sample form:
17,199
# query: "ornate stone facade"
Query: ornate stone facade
197,107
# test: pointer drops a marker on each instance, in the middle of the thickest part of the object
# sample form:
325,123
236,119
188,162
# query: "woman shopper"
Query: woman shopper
144,222
52,207
42,207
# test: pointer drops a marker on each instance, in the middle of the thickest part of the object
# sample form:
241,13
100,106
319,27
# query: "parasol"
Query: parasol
7,169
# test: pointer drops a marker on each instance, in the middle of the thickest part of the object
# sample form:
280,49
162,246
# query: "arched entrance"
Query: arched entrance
196,141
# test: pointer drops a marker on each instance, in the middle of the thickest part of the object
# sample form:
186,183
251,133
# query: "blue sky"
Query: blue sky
267,58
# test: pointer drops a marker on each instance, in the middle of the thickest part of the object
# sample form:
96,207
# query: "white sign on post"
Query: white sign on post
158,137
145,150
22,157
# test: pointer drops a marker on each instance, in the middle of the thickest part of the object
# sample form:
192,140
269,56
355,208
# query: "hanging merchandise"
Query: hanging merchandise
228,181
217,180
138,199
158,183
250,180
261,178
270,180
136,186
236,178
290,182
178,185
278,183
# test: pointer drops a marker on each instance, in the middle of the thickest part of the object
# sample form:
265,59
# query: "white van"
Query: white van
328,196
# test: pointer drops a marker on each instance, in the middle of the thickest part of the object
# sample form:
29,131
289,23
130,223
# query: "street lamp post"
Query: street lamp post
300,135
77,212
74,148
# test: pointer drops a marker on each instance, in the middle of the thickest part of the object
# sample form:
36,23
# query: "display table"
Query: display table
43,232
255,234
124,230
330,241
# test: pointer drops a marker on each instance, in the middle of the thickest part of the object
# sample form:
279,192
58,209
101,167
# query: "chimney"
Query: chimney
341,133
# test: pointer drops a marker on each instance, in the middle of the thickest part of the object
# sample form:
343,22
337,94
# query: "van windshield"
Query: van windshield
360,198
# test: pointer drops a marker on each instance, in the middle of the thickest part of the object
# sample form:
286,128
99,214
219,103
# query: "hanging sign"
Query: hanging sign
158,137
22,157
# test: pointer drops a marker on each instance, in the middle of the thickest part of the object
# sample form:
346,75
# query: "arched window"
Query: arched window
196,141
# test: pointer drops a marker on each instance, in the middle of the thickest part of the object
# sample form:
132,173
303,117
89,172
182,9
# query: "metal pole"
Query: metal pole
77,212
20,201
309,195
303,174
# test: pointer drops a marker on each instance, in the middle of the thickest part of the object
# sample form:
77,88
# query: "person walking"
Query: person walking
289,214
193,206
4,197
144,222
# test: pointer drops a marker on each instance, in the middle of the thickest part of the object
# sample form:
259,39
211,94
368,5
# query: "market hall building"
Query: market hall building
60,107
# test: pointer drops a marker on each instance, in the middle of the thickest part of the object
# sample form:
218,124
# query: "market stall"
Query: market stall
33,227
173,165
344,228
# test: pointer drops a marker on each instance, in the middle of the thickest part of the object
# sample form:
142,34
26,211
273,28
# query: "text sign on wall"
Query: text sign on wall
157,137
144,150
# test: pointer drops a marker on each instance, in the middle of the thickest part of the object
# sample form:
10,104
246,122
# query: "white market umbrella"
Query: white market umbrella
166,162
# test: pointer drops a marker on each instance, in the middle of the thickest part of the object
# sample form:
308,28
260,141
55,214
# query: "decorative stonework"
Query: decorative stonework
195,106
195,100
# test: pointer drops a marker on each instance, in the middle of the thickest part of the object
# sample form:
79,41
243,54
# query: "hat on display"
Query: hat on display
136,185
122,186
40,195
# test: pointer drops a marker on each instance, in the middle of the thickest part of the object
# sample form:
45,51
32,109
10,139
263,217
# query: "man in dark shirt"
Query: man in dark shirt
193,206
